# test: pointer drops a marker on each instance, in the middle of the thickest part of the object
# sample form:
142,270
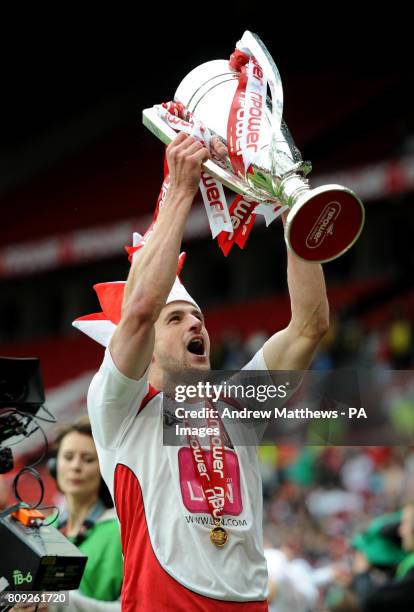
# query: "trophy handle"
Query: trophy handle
324,223
262,55
256,46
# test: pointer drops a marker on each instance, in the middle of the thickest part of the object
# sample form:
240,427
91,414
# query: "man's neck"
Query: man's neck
156,378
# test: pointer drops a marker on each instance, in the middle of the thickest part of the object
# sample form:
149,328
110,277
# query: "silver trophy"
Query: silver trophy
322,223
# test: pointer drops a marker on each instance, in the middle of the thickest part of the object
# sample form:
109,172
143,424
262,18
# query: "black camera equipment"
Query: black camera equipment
20,387
36,556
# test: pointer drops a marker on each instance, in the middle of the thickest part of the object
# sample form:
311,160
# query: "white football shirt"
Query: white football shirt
169,560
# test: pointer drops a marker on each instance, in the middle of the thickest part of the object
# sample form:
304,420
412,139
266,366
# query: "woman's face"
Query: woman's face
77,466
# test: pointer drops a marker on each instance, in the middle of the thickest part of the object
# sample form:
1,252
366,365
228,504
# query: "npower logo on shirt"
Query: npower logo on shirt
192,492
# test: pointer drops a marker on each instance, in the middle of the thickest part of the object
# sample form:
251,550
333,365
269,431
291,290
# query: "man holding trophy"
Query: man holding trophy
184,548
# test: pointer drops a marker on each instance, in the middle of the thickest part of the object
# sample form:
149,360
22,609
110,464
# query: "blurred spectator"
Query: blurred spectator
284,596
347,603
4,492
254,343
88,519
400,343
234,353
396,593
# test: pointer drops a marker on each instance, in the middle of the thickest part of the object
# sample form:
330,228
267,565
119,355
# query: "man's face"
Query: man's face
181,339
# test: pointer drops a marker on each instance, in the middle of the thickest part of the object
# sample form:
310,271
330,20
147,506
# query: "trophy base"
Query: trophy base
324,223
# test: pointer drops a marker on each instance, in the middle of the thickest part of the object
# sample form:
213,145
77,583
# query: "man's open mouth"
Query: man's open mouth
196,346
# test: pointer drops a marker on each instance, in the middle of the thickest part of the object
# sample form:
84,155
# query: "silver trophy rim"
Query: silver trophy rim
302,202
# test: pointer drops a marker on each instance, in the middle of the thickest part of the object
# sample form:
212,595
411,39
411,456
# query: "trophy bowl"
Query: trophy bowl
261,162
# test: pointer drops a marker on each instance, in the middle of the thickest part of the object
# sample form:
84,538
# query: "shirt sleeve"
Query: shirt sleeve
291,380
246,431
113,402
257,362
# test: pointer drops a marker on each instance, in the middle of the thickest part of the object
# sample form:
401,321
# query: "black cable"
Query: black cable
30,468
54,519
30,415
51,420
23,433
38,428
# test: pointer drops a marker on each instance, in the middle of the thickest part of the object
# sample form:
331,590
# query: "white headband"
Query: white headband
101,325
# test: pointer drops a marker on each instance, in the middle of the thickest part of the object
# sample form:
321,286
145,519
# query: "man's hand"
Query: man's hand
185,155
218,150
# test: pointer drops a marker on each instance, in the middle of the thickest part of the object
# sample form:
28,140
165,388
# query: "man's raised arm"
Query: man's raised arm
152,274
294,347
